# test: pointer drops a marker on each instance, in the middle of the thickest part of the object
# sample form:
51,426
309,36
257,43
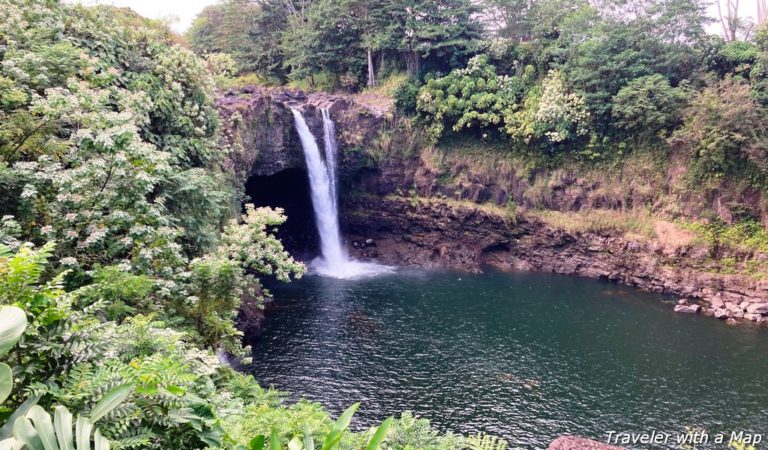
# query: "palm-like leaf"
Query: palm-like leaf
342,423
6,381
36,430
379,435
110,401
13,322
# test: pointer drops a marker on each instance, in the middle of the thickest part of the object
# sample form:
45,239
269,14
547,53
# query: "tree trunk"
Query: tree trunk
412,62
729,19
371,74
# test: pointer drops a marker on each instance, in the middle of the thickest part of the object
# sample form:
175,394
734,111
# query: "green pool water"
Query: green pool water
524,356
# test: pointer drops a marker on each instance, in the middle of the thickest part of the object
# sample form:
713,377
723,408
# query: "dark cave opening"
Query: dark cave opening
289,189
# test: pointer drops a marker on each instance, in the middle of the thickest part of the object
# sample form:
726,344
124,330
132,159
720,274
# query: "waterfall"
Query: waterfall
329,139
323,195
334,261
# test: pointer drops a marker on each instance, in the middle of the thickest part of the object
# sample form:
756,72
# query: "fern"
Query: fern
484,441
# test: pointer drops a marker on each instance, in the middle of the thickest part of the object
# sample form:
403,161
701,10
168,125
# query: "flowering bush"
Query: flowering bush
477,98
221,64
109,148
550,115
473,97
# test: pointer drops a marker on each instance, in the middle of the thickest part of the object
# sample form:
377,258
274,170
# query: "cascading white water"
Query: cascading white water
334,261
329,139
323,194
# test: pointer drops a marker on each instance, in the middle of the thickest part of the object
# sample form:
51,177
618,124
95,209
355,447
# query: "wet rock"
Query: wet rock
687,309
436,234
258,126
579,443
720,313
758,308
716,302
250,317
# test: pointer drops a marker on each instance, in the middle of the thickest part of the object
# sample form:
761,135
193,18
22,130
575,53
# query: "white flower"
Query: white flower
69,261
95,236
30,191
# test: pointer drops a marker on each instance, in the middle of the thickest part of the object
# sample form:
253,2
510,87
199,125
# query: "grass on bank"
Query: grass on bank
638,223
746,236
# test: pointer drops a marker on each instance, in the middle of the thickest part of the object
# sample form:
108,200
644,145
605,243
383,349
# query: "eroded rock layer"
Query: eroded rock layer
399,230
404,210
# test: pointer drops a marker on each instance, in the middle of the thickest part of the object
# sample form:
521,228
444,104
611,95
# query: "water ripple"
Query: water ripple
524,356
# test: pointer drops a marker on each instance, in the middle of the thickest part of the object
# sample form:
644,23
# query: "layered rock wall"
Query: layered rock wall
403,231
385,216
259,132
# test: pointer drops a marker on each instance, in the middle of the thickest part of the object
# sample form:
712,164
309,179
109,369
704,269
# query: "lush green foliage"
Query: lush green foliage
585,75
725,131
748,236
648,105
474,97
552,115
123,261
249,32
341,39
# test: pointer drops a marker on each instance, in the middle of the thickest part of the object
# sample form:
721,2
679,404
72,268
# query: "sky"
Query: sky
183,12
747,8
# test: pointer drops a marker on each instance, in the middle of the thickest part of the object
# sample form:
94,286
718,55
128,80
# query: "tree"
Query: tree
249,31
647,105
507,19
599,54
441,33
327,39
724,129
733,25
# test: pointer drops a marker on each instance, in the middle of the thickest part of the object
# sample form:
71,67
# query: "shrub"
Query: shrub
551,115
221,64
128,293
405,97
473,97
648,105
724,129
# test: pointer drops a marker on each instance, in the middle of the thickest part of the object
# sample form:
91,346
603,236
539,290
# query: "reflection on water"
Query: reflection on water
524,356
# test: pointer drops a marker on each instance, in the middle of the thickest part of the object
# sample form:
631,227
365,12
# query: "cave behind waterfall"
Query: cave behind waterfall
289,189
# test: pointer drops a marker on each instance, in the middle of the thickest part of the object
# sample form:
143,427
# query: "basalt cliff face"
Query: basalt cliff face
258,128
404,210
434,234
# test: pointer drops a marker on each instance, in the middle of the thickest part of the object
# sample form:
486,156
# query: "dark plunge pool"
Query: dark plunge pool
527,357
